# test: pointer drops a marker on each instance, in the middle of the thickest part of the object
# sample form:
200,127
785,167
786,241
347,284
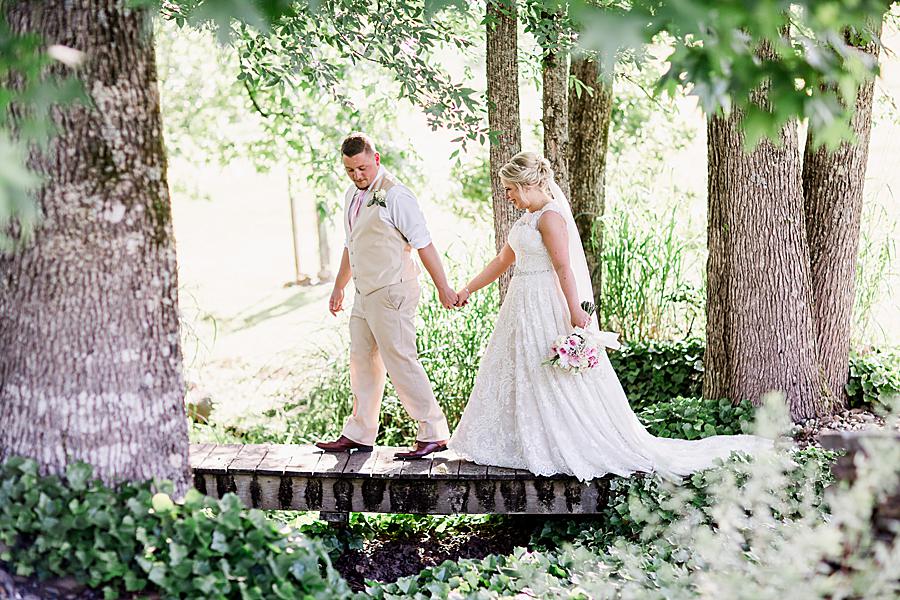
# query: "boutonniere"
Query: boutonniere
378,198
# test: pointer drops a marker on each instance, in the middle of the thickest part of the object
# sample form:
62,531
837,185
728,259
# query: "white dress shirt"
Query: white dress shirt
402,212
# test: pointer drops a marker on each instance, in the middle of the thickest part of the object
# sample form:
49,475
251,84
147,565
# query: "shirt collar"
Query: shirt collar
381,172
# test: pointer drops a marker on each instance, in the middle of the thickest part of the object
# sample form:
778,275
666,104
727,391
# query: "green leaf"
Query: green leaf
78,475
162,503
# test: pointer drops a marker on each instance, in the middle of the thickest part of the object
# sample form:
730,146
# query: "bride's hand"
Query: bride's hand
462,297
580,318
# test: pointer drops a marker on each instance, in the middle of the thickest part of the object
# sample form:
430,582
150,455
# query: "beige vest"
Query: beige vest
379,254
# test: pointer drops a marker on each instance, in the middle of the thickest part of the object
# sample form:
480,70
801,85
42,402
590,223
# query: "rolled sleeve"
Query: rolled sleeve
406,215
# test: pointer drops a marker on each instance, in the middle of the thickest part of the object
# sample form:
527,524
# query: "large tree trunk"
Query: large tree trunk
833,190
91,362
503,112
589,118
760,333
555,116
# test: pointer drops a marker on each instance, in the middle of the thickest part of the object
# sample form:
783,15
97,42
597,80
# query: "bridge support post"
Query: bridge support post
335,519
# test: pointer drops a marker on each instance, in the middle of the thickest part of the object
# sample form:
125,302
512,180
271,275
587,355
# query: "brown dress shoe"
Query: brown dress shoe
343,444
421,450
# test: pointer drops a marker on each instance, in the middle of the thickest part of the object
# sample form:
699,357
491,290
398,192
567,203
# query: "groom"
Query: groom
383,223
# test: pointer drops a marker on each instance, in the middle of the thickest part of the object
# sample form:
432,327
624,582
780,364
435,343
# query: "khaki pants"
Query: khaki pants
383,337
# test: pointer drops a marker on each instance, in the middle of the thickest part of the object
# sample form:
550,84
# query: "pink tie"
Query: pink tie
355,206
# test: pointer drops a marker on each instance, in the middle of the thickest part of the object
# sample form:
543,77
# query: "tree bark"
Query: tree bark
300,278
324,247
833,191
555,116
503,112
760,331
91,361
590,114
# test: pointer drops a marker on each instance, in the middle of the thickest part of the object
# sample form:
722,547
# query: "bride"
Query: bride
526,415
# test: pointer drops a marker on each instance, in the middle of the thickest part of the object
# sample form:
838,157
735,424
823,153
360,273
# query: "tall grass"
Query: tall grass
874,271
644,293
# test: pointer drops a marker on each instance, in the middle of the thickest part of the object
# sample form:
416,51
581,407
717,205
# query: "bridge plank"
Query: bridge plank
277,458
242,476
360,464
304,461
386,467
197,452
331,464
270,470
500,473
417,469
470,470
444,465
248,458
217,461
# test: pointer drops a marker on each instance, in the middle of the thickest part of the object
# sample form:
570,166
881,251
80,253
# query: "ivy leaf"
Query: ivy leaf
162,503
78,475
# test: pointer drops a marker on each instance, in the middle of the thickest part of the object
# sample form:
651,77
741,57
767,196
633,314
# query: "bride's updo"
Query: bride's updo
528,169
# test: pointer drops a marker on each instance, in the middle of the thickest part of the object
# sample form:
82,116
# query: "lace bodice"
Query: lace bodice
528,244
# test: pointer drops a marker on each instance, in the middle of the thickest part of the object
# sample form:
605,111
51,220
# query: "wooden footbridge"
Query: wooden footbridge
294,477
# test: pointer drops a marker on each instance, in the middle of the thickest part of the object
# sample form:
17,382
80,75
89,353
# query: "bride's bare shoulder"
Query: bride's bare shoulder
551,223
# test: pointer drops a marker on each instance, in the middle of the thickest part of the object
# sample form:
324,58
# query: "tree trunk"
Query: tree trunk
833,190
91,361
300,278
760,333
555,115
324,247
589,118
503,112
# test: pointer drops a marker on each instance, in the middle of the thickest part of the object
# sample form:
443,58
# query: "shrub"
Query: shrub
874,379
651,371
695,418
125,537
639,505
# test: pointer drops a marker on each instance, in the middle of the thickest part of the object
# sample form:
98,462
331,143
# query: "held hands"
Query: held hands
462,297
448,297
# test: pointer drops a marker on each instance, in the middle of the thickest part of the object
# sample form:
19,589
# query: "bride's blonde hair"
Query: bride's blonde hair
528,168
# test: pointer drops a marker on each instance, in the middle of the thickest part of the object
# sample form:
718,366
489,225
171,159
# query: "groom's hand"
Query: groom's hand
336,303
448,297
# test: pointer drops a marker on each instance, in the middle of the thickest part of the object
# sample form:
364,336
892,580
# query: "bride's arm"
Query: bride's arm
491,272
556,238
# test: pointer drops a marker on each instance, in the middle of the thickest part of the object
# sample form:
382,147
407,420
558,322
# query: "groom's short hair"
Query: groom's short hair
356,143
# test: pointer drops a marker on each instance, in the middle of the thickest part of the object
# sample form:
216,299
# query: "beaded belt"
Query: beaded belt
518,272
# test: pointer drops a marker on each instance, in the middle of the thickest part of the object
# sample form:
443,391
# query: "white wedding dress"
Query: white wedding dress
526,415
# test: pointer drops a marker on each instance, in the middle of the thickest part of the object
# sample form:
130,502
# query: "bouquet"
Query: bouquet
580,349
